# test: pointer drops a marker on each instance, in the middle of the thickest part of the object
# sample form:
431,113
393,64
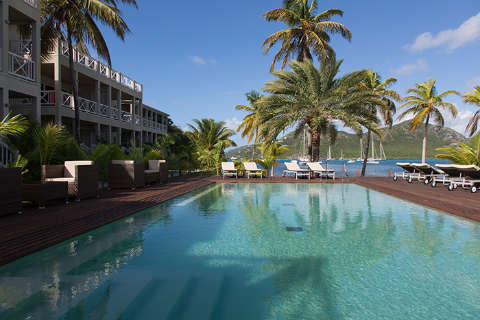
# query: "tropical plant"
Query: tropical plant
103,156
271,152
308,31
177,147
76,21
373,83
249,124
425,105
314,98
20,162
462,153
13,125
473,98
48,139
210,139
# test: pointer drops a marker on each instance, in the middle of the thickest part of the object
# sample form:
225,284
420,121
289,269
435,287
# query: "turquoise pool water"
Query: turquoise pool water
224,252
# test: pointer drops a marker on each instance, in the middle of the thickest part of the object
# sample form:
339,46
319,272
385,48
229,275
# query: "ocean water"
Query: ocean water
343,168
258,251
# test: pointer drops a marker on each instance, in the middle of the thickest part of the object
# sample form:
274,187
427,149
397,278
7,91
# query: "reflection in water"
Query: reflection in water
225,253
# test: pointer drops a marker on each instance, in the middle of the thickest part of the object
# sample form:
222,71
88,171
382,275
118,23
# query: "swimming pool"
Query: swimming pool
258,251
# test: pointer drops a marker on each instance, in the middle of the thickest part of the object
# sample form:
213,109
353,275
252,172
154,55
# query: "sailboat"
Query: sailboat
361,150
329,156
303,159
373,160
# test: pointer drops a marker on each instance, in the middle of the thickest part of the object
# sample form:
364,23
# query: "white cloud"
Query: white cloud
407,69
201,61
232,123
460,122
451,38
472,83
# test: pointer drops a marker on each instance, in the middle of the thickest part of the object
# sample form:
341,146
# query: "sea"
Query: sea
345,169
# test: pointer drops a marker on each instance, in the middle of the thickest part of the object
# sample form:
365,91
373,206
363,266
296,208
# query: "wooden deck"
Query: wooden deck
36,229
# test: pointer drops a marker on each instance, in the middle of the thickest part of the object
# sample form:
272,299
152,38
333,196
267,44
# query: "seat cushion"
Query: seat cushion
70,167
69,180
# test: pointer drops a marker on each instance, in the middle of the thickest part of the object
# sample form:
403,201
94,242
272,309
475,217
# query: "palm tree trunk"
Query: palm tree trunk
315,145
309,144
367,150
424,149
253,151
76,122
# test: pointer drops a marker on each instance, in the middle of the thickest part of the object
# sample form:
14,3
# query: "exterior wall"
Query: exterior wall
19,71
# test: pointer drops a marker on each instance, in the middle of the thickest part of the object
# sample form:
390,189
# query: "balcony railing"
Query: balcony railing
47,98
104,70
21,67
6,155
21,47
33,3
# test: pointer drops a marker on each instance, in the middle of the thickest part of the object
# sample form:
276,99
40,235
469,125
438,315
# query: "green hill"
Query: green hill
398,143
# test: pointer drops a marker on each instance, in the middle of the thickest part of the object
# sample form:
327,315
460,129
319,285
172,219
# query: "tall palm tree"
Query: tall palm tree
424,105
373,83
249,126
13,125
473,98
76,21
308,31
312,97
210,139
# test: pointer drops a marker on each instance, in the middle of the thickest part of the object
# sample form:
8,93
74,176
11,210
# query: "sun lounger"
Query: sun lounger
317,168
426,172
295,169
408,170
469,178
228,169
452,174
252,170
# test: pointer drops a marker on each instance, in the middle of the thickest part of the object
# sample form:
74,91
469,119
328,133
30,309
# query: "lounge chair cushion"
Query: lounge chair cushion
251,166
69,180
69,171
228,166
123,162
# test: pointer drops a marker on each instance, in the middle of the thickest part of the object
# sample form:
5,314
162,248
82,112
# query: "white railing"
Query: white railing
67,100
115,113
21,67
6,156
138,120
104,111
87,106
125,116
33,3
47,98
22,48
104,70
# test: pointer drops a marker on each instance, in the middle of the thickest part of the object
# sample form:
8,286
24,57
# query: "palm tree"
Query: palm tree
271,152
13,125
308,32
76,21
473,98
210,139
314,98
425,105
463,153
386,109
249,126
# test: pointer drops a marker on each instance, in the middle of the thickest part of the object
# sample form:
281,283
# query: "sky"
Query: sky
197,59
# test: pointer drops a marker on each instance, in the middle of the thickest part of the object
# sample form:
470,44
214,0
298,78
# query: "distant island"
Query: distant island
399,143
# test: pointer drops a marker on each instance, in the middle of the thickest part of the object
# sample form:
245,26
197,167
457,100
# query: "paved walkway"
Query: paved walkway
36,229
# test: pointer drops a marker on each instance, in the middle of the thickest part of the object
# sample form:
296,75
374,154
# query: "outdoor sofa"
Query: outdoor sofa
156,171
10,191
81,176
126,174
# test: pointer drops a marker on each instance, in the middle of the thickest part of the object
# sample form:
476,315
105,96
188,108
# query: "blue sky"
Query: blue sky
196,59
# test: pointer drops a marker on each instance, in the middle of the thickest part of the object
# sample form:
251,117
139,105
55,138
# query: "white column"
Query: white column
119,136
36,51
98,132
4,36
36,109
98,94
57,77
4,102
109,133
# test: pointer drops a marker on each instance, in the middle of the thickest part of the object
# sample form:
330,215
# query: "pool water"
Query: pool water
258,251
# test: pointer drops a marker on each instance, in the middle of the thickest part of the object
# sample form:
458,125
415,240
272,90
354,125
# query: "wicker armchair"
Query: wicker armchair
82,177
10,190
126,174
156,171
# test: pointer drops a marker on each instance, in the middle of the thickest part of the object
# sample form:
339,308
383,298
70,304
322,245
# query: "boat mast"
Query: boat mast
361,148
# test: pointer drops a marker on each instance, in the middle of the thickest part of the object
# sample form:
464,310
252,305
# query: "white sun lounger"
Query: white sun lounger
295,169
228,169
252,170
469,178
408,170
425,172
317,168
452,174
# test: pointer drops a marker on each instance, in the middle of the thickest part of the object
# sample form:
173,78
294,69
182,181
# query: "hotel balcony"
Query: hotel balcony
102,69
20,62
33,3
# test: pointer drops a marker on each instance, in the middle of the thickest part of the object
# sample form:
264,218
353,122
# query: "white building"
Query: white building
111,107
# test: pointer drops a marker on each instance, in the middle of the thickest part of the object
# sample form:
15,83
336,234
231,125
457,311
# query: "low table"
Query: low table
40,193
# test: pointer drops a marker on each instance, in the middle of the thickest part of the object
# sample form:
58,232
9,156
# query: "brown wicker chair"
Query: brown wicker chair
156,171
10,190
82,177
124,174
